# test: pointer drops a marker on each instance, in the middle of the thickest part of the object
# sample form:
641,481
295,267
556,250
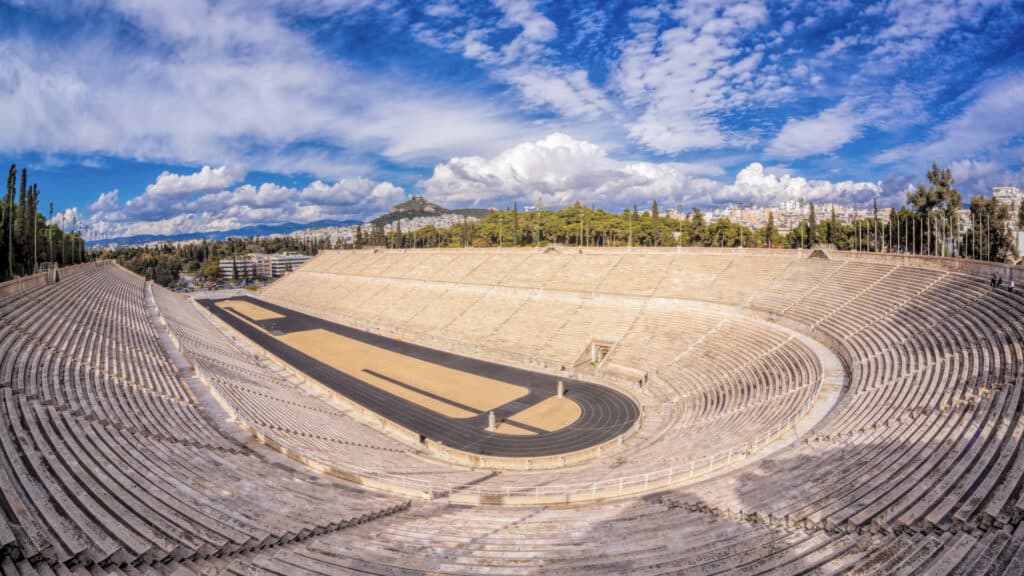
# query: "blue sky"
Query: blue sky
152,117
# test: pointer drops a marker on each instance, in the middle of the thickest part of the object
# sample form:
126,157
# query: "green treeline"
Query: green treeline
25,237
929,223
164,263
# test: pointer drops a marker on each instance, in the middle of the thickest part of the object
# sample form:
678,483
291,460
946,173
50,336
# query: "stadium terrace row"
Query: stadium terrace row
108,462
114,459
925,442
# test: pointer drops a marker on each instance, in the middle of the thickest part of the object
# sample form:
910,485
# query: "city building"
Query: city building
260,265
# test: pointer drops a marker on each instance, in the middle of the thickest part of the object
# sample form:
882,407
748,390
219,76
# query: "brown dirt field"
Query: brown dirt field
249,310
355,358
550,414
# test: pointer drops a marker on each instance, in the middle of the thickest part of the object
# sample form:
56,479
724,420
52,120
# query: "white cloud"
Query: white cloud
562,169
223,82
358,192
566,90
166,194
442,9
829,130
908,34
105,203
200,204
758,185
536,29
825,132
682,77
524,62
974,177
67,218
171,186
990,121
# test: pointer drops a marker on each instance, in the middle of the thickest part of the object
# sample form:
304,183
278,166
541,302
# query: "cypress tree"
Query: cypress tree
812,224
655,225
12,178
49,234
833,224
515,221
35,236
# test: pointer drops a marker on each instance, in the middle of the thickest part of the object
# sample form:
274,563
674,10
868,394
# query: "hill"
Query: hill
244,232
417,206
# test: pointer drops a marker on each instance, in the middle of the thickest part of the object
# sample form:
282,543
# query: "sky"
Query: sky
151,117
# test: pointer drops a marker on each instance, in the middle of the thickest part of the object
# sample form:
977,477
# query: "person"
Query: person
999,282
992,281
1011,286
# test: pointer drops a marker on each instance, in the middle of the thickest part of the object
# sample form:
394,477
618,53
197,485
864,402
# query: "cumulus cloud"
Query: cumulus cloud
357,192
107,202
759,186
561,169
66,218
170,186
202,201
165,195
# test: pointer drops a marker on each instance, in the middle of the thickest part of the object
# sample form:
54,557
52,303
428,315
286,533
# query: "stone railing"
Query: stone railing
476,494
17,286
634,484
23,284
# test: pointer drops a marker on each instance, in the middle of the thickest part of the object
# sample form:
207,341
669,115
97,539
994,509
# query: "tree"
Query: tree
515,222
21,220
12,177
655,225
698,230
49,229
769,229
833,227
812,228
990,237
540,210
940,197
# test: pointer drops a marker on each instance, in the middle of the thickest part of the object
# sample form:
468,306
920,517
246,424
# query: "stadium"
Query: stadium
518,411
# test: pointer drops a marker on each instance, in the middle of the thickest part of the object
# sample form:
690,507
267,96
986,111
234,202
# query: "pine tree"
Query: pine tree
769,230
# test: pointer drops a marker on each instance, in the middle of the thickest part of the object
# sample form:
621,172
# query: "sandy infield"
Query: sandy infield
440,389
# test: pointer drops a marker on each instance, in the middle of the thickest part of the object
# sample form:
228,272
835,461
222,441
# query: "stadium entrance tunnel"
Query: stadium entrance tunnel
451,403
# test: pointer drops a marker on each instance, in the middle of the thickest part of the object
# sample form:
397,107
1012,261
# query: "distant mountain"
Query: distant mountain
411,208
420,206
245,232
